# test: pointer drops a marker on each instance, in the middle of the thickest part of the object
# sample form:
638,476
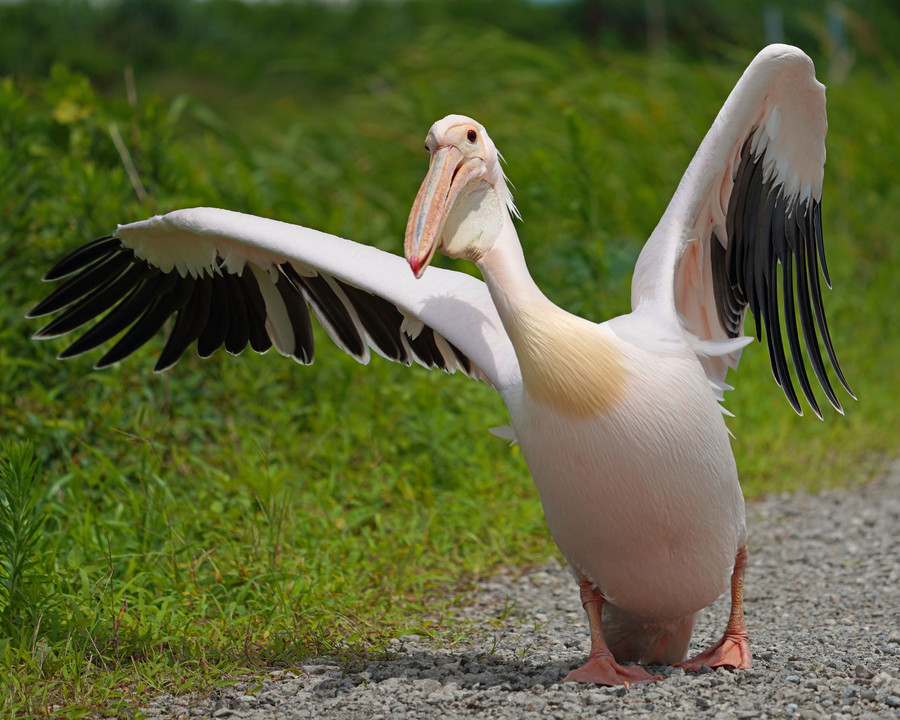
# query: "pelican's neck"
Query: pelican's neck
505,272
568,363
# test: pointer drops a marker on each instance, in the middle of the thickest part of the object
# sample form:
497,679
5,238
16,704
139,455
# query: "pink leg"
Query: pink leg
601,667
733,650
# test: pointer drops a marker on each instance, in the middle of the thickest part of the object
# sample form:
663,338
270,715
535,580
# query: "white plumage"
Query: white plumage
620,422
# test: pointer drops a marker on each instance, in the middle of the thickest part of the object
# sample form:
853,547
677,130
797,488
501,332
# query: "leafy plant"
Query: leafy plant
22,581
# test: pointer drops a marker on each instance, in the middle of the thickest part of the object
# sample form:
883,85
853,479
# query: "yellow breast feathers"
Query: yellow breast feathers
568,364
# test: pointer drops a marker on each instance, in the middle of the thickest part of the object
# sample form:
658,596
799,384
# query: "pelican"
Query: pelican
620,422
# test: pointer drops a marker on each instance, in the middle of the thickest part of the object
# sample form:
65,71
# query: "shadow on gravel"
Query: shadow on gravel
467,670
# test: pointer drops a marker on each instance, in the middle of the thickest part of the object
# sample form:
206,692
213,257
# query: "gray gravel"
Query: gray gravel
822,609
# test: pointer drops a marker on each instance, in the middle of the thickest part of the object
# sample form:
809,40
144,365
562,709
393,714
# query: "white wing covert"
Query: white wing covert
750,200
233,279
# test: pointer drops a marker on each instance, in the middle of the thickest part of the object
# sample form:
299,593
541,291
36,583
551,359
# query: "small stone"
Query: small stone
892,701
441,697
319,668
429,686
863,673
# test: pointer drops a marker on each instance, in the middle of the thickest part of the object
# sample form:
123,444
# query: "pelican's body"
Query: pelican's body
662,420
620,422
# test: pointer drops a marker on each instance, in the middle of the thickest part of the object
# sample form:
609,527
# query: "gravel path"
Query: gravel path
822,607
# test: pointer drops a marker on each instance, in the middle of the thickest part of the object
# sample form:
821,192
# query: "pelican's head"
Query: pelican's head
464,199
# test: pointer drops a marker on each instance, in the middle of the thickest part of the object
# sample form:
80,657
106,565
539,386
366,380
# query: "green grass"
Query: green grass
240,513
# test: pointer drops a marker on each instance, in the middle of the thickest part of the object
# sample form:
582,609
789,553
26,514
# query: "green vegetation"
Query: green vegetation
235,514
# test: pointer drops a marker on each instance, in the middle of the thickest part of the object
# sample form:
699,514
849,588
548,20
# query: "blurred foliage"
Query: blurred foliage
234,514
324,50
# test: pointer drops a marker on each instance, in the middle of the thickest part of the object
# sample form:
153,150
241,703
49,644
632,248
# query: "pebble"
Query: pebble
821,607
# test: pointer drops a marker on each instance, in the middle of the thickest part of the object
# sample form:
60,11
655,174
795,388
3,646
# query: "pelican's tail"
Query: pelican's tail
632,638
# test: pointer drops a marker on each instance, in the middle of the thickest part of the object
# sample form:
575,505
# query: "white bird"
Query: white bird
620,422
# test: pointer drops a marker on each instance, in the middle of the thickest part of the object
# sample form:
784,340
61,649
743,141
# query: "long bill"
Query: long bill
429,211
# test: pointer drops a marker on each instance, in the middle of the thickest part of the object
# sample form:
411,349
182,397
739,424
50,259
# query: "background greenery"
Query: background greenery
172,530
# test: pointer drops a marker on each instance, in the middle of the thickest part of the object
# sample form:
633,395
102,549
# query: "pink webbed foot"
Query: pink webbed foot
732,651
602,669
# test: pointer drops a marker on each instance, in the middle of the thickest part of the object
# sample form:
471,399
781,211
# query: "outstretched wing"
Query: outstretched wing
751,199
232,279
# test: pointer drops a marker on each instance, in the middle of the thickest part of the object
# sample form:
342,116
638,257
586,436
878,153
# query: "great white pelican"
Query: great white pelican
620,422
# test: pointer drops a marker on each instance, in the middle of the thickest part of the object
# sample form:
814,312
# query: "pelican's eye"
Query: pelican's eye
471,136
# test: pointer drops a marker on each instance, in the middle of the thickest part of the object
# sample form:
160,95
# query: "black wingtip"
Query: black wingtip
818,412
766,225
81,257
